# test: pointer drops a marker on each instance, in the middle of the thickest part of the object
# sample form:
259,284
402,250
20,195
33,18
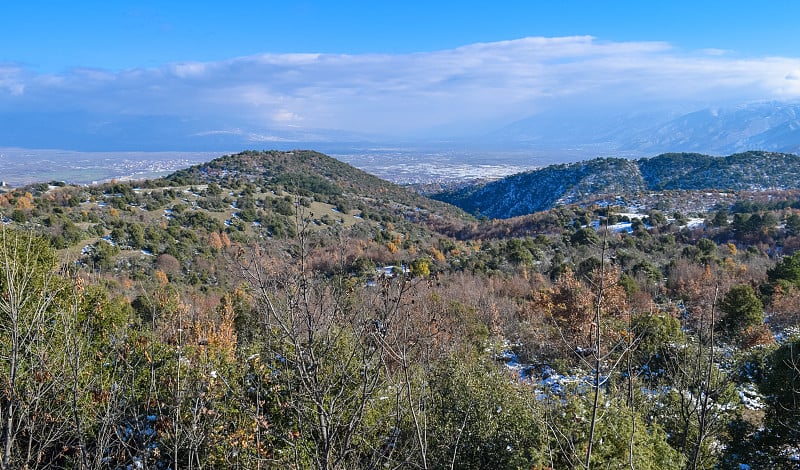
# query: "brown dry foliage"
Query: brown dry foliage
214,241
168,263
570,303
758,335
784,308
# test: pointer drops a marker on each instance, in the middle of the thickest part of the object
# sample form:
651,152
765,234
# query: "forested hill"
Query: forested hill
302,172
545,188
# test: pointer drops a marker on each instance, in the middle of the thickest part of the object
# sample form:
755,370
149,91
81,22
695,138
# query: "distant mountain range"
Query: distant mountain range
771,126
542,189
566,135
763,126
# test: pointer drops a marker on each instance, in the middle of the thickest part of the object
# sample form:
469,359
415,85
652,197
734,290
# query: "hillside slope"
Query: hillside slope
304,172
545,188
538,190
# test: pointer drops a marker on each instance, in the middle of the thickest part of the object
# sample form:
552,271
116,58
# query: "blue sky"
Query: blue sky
384,67
54,36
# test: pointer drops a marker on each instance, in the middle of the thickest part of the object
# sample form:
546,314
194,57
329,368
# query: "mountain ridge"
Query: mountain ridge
306,171
764,125
554,185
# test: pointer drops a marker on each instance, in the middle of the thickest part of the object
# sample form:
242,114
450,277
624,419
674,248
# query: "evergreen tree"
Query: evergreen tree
742,309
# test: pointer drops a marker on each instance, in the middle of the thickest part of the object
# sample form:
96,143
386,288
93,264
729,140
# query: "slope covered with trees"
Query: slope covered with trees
224,318
302,172
545,188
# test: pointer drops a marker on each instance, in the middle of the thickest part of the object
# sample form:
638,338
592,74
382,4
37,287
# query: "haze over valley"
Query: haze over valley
530,143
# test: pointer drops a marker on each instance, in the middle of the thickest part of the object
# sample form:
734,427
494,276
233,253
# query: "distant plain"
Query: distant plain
19,167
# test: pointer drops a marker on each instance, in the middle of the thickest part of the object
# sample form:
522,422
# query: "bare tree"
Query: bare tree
325,352
33,419
700,392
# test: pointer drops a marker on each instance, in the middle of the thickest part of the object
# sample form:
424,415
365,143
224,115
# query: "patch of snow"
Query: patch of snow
390,271
787,334
750,397
630,215
615,228
695,222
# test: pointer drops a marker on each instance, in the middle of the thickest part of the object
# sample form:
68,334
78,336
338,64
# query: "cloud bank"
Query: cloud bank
474,86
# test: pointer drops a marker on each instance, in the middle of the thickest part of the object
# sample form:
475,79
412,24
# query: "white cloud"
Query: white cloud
409,92
286,116
715,52
189,69
11,80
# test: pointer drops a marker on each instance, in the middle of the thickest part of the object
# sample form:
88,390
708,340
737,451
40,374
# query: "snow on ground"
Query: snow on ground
548,381
751,398
631,215
620,227
545,379
614,228
695,222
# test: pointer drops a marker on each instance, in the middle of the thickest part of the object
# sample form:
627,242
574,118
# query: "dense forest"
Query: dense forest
285,310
